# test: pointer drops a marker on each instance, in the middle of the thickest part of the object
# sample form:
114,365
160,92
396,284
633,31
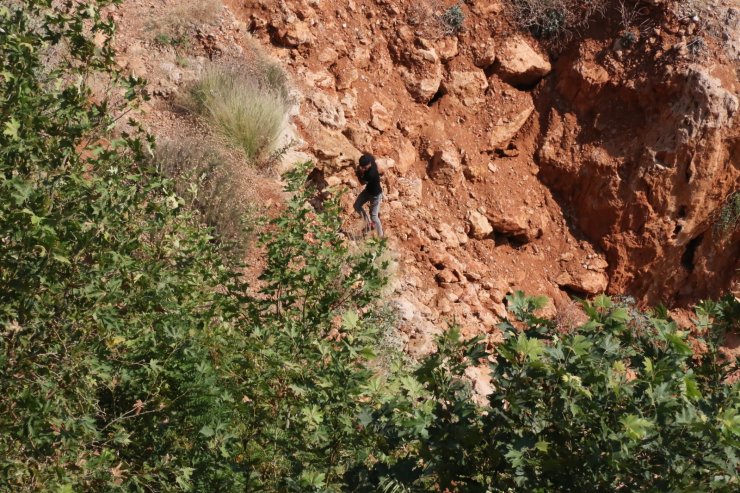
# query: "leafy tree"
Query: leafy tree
109,310
621,403
133,359
305,379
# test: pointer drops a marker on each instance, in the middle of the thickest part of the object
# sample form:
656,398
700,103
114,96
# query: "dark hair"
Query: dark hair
367,159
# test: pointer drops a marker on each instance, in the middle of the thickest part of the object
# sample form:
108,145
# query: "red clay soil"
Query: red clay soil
513,165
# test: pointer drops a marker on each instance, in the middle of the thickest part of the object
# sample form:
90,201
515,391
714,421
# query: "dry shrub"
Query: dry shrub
173,21
555,20
433,20
569,317
212,182
247,105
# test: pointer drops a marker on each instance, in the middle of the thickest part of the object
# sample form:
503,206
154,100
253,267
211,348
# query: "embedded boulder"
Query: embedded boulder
407,156
445,165
330,110
468,86
588,282
520,224
332,147
380,117
519,64
296,34
480,228
422,86
506,128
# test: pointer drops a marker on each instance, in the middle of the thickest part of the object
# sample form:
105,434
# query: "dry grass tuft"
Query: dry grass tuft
555,21
247,105
211,182
170,25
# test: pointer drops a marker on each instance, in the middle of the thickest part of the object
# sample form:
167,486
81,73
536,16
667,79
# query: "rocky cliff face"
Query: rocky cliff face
599,166
642,169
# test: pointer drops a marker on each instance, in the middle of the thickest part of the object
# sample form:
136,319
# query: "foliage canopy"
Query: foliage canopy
132,358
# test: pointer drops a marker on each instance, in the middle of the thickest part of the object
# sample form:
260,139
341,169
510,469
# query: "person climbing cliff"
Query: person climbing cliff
369,175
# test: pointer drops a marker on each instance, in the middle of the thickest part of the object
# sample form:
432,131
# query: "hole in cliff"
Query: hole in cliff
491,69
688,257
682,211
526,87
574,293
677,230
505,239
437,96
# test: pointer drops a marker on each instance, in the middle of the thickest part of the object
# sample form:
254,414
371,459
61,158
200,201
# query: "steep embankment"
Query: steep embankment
598,166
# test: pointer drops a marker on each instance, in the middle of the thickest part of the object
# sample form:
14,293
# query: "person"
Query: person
368,174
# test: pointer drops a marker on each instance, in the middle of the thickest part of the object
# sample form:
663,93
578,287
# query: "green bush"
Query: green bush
132,359
728,217
109,308
248,108
453,19
622,403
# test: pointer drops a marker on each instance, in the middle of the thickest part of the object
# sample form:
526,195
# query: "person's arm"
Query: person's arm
361,175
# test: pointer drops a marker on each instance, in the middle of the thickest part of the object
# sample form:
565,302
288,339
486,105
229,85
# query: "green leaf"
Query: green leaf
691,387
530,348
183,478
11,129
677,343
648,365
635,426
602,301
350,319
580,345
619,315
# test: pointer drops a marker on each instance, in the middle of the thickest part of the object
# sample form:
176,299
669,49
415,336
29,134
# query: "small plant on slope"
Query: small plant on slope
245,107
555,20
453,19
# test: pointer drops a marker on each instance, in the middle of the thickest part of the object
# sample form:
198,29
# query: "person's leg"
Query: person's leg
374,211
359,203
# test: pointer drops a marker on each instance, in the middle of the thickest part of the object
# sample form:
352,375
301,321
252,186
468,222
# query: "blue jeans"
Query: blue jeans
362,199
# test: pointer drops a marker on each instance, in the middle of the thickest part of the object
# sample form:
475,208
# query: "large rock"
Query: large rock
507,128
485,55
345,72
447,48
330,110
588,282
421,72
407,156
480,228
411,190
468,86
518,223
332,147
296,34
519,64
380,117
422,86
445,165
648,207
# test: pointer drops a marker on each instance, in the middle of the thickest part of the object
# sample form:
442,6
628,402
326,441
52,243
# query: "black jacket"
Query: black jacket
371,180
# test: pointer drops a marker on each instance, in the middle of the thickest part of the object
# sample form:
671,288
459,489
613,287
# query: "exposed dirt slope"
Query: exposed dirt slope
594,167
598,168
